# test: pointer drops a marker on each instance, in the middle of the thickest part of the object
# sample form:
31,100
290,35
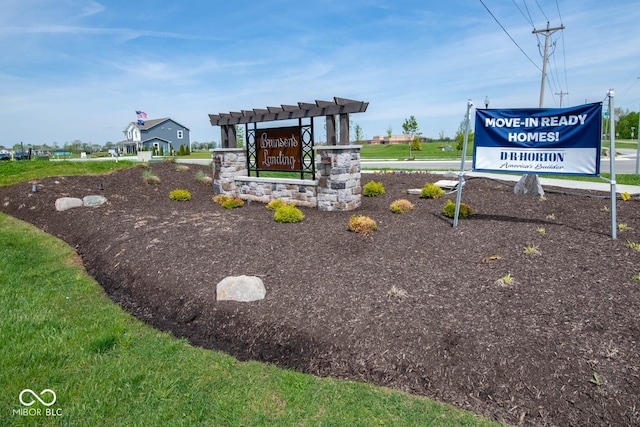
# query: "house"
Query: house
162,134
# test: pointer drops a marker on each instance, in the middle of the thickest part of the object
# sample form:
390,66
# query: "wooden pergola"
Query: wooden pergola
330,109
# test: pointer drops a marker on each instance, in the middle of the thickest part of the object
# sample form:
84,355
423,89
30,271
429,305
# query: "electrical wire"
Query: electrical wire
507,33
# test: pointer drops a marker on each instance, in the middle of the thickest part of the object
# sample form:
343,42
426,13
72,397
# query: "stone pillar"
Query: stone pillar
227,164
338,175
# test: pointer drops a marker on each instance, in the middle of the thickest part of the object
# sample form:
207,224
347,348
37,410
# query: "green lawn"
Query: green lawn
59,331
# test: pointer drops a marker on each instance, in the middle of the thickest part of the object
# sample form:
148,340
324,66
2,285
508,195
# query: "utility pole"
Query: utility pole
547,32
562,93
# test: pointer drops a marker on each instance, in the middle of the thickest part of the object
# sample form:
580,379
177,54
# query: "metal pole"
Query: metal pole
464,154
638,147
612,164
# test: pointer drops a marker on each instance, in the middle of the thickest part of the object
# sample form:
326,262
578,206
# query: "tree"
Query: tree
459,138
358,134
627,125
410,129
239,136
389,132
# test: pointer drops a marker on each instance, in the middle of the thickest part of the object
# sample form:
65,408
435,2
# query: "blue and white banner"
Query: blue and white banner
559,141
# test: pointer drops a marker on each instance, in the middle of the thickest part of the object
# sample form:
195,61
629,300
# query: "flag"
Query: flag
140,122
141,114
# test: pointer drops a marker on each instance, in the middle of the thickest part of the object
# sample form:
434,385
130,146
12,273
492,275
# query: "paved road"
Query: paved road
625,163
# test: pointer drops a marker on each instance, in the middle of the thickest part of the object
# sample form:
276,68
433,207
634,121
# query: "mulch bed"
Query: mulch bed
557,346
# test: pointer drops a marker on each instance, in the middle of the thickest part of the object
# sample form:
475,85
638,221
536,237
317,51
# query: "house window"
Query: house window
180,134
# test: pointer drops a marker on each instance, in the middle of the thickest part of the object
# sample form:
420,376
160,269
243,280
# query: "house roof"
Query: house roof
155,138
151,123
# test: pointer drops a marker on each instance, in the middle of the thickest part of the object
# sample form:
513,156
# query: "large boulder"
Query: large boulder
94,200
64,203
529,185
240,288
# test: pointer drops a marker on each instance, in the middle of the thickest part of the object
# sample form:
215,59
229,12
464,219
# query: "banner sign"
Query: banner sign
279,149
559,141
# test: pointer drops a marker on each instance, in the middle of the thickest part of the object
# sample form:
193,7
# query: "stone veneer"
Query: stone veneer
336,187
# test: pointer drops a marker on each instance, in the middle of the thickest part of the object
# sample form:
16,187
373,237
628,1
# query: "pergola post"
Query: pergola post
331,130
344,129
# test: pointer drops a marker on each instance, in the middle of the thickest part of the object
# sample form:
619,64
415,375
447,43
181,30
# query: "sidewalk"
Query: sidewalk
604,186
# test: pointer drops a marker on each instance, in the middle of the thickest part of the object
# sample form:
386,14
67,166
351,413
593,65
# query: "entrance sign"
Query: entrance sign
559,141
279,148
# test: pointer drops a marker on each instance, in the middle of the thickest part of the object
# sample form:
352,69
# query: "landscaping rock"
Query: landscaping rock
64,203
240,288
94,200
529,185
414,191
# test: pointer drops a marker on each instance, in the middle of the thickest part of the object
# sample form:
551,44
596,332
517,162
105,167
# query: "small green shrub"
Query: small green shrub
180,195
416,145
373,188
362,224
449,210
232,202
288,213
401,206
220,198
431,191
150,178
275,204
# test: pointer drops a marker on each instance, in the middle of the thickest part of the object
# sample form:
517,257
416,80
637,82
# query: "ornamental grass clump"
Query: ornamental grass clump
203,178
288,213
150,178
362,224
373,188
449,210
401,206
180,195
431,191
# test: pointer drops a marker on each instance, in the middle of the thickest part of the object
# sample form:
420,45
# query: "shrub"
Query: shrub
181,150
232,202
431,191
416,145
288,213
373,188
401,206
203,178
449,210
150,178
220,198
180,195
275,204
362,224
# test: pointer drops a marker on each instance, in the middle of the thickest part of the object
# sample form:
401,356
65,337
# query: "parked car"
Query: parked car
20,155
5,156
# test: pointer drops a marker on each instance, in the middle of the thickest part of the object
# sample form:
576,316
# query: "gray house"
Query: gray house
159,133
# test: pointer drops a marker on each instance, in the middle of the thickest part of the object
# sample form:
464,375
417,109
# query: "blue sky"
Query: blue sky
78,69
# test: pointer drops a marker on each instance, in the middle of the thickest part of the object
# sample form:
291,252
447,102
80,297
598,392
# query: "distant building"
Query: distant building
394,139
163,133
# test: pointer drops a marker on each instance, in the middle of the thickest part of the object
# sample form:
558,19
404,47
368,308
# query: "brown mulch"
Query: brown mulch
557,346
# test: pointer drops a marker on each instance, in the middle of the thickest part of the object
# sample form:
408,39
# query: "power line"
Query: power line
529,20
507,33
543,14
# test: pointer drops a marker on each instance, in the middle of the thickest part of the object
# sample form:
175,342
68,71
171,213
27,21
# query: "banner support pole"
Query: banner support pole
612,163
464,155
